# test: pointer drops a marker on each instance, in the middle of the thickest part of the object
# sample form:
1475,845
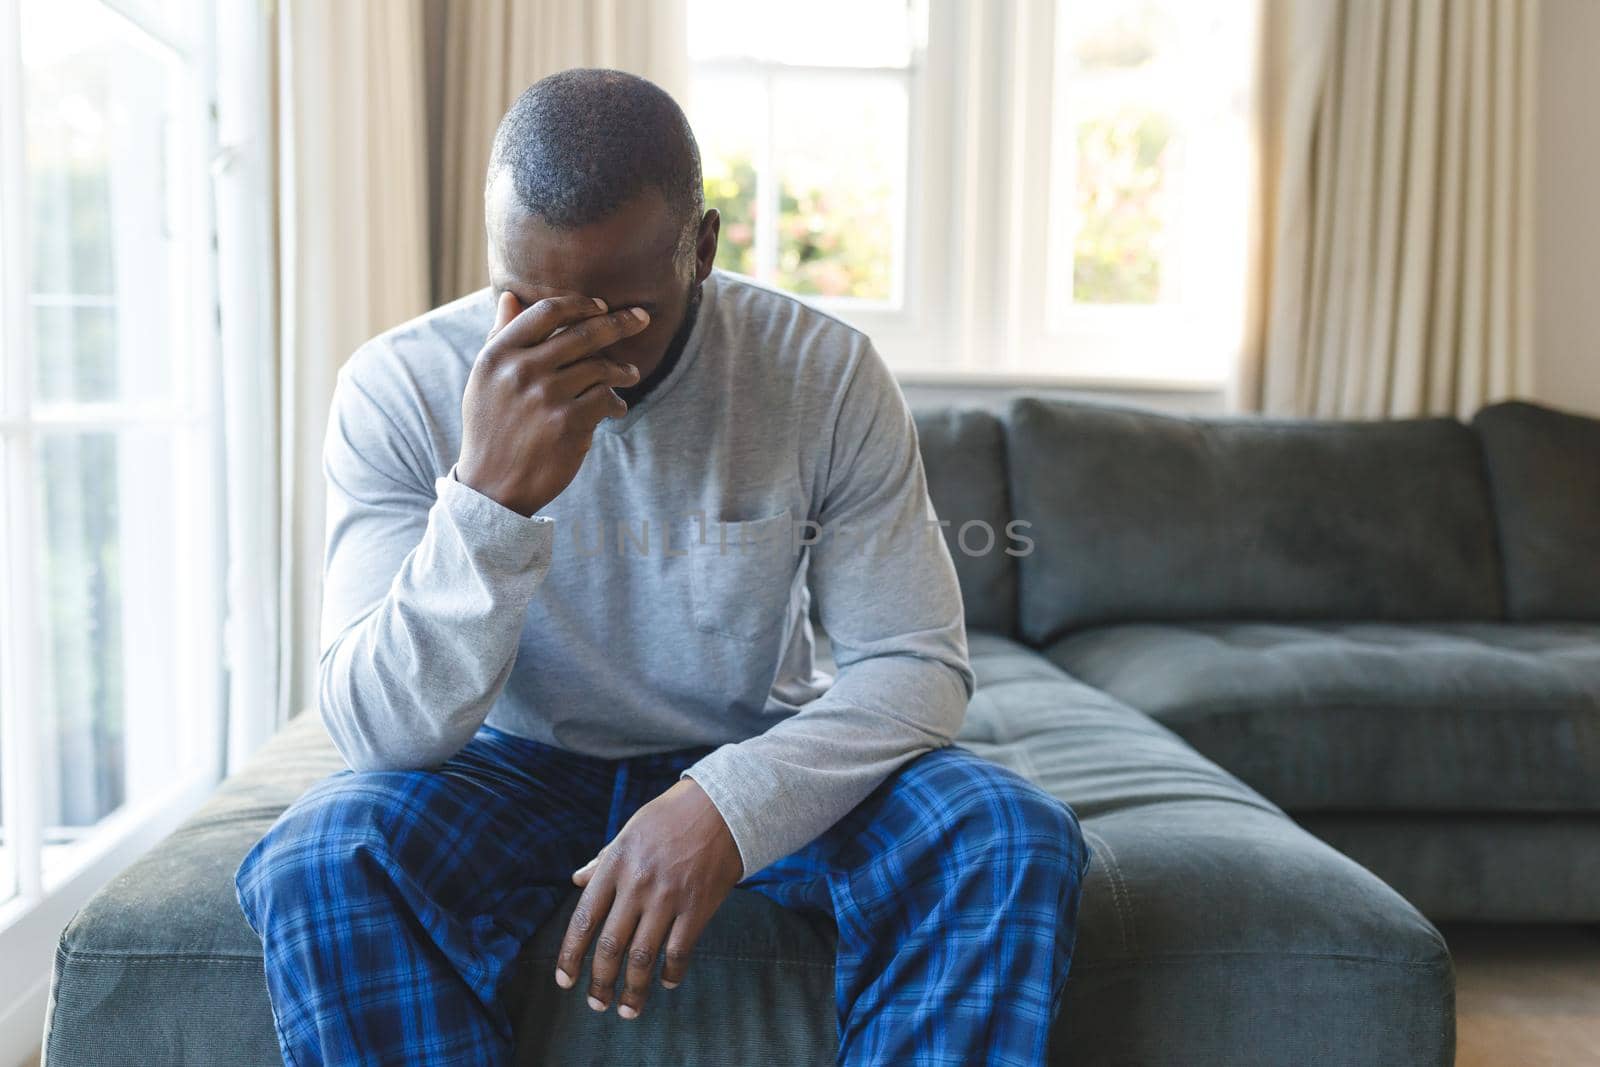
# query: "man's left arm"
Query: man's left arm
887,595
889,601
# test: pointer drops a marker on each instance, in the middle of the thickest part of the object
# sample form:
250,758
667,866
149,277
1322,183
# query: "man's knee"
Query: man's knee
316,838
1012,817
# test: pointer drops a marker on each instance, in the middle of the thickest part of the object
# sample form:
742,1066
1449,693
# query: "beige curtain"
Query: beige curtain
352,194
1392,267
491,50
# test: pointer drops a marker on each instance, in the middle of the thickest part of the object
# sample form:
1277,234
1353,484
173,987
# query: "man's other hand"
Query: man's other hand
653,887
536,392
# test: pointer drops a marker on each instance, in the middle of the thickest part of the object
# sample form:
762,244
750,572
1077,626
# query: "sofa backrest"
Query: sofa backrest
963,452
1143,516
1544,472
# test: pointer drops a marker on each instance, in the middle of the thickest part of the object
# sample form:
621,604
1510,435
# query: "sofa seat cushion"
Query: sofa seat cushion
1457,717
1213,929
161,967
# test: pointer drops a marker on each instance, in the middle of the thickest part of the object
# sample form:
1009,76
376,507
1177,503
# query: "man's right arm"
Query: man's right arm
425,590
426,586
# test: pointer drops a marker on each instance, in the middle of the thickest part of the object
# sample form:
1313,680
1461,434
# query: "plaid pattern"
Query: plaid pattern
955,887
392,904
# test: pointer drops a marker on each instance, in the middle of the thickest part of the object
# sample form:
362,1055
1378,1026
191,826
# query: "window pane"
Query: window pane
848,33
1148,169
842,184
75,346
1114,62
1126,157
729,114
103,126
840,188
108,518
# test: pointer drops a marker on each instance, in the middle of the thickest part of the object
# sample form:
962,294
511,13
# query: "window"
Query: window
1038,189
809,202
1149,158
110,533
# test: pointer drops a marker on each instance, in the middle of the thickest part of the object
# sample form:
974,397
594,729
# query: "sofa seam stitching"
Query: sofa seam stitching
111,957
1114,876
1228,954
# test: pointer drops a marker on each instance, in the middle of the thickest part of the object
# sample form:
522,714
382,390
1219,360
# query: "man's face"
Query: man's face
628,259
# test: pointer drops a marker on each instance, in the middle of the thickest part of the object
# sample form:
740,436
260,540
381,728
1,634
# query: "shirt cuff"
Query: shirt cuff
750,797
505,538
728,807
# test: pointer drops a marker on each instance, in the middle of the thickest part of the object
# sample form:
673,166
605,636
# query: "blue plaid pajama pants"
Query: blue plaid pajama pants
393,904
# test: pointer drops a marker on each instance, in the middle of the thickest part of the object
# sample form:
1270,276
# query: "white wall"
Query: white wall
1567,249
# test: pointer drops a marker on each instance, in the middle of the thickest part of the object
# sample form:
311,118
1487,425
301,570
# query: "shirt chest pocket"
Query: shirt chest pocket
740,574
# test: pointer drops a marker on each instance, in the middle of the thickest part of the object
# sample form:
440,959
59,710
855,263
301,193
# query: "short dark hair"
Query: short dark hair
582,142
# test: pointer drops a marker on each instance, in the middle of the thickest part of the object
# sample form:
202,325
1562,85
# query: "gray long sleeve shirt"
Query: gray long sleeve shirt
663,599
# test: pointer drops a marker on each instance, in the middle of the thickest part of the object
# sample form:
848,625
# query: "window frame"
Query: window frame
980,143
32,920
1131,334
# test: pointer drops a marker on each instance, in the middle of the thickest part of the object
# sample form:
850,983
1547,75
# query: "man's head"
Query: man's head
594,187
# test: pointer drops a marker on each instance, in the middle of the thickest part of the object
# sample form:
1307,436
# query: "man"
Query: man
575,522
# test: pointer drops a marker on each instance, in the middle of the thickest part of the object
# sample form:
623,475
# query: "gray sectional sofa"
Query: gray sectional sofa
1245,651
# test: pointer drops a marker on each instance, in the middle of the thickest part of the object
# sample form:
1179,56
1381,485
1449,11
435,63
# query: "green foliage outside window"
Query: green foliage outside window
832,241
730,185
1122,208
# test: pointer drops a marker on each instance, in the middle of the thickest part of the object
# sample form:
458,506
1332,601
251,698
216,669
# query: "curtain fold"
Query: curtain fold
1391,258
352,189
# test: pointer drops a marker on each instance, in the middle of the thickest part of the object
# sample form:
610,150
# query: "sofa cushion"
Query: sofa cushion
160,965
1370,716
1213,930
1476,867
1544,471
1139,516
963,453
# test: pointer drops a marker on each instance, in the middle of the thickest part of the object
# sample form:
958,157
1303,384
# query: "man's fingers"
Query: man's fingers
540,319
573,380
596,404
686,930
640,963
610,948
563,346
506,308
590,335
593,907
586,872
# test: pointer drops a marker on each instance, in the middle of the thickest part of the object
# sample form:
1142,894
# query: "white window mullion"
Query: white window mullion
1030,44
19,657
768,183
981,65
23,800
242,178
203,515
90,417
